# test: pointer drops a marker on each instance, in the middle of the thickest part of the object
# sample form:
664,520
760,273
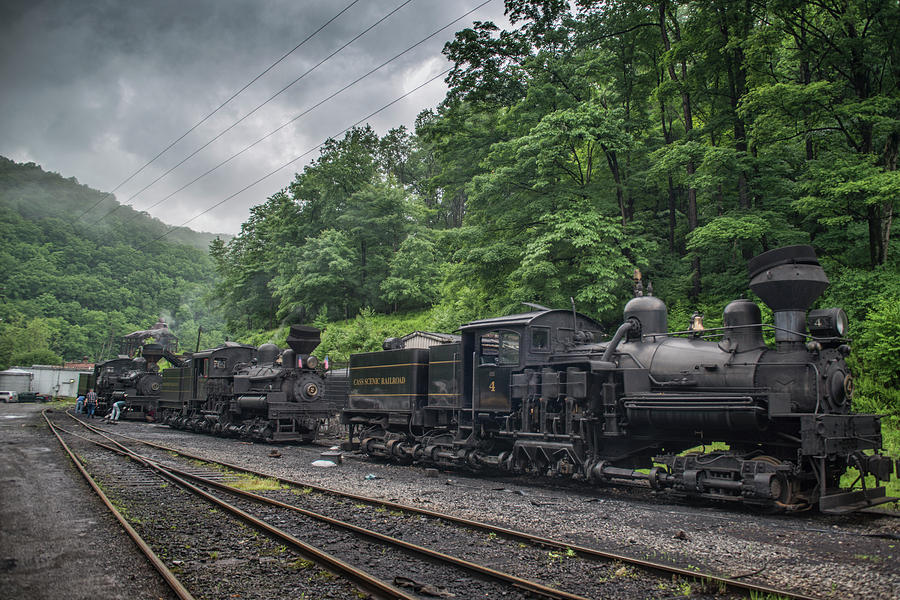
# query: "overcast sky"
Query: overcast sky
94,89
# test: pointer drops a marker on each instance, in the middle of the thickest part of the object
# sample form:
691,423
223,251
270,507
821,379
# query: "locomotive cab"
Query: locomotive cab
502,356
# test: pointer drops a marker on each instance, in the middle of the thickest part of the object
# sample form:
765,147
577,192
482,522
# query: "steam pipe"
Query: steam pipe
614,342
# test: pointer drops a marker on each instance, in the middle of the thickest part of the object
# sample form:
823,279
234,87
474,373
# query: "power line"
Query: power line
217,109
278,93
305,112
292,161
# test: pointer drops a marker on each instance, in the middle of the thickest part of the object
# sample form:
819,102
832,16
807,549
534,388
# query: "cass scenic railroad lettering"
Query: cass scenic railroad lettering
379,381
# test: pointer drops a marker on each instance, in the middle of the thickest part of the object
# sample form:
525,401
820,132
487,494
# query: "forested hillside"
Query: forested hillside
680,138
73,286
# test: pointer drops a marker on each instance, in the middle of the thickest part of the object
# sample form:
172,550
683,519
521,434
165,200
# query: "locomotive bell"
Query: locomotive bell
651,312
788,280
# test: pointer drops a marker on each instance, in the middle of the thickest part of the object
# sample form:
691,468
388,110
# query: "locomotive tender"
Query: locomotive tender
244,391
538,392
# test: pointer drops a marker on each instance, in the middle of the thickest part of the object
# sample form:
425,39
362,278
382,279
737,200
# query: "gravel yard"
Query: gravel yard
851,556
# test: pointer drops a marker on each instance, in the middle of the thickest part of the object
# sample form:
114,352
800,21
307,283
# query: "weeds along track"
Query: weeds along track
409,547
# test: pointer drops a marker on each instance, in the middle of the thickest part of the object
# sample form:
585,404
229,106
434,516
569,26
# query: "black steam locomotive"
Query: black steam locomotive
133,376
538,392
256,393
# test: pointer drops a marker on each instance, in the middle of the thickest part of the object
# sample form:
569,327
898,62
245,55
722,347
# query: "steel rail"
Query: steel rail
177,476
518,582
728,582
362,579
167,575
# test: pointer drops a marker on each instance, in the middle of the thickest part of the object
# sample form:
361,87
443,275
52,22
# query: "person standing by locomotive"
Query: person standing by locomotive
79,404
91,402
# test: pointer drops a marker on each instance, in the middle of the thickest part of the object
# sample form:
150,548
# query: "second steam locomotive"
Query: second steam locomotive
244,391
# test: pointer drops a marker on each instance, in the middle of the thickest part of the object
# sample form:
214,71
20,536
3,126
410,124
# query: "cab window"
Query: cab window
540,339
490,348
509,348
499,348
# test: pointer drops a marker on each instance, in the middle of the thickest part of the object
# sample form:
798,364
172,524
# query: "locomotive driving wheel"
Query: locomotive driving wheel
780,485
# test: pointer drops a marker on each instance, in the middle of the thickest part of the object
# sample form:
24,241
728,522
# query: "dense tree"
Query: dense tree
71,288
328,241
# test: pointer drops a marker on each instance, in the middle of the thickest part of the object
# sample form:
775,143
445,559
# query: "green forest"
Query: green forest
679,138
78,271
593,138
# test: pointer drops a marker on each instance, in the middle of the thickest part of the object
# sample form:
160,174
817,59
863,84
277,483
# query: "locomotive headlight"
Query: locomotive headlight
312,362
827,322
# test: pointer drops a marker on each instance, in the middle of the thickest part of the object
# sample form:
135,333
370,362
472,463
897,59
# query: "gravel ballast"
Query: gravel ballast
849,556
852,556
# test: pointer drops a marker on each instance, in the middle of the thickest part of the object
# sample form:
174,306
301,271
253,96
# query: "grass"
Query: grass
869,557
559,556
247,482
60,404
754,595
301,564
252,483
706,448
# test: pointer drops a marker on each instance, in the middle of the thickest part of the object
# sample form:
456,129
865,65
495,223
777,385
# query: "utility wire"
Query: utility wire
292,161
217,109
304,113
278,93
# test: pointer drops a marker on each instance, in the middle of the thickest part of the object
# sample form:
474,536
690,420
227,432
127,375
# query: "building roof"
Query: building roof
443,338
79,365
15,371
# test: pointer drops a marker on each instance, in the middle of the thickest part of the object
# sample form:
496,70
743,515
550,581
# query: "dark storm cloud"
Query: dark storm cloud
95,89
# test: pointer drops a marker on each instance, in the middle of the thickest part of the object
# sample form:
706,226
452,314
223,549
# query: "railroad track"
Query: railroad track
556,551
175,546
467,576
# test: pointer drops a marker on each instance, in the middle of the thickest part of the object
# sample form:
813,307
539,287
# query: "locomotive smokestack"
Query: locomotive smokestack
303,340
788,280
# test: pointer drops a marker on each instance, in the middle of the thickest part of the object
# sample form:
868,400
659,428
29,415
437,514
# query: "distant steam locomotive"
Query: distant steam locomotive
133,376
537,392
257,393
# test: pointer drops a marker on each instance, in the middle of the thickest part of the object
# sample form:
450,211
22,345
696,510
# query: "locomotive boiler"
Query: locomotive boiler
259,393
715,414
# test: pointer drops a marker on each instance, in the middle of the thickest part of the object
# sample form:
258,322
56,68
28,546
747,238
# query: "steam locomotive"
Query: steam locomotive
133,376
539,393
256,393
